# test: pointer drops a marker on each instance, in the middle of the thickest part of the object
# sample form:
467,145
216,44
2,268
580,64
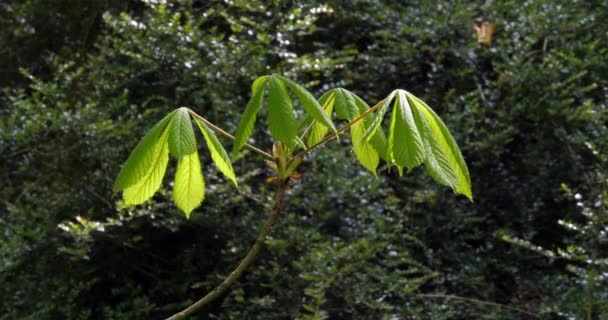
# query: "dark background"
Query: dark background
82,81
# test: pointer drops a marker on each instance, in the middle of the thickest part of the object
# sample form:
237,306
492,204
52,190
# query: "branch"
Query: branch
476,301
341,130
229,136
277,208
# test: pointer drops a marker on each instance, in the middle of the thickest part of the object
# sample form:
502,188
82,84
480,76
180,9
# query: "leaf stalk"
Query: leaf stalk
229,136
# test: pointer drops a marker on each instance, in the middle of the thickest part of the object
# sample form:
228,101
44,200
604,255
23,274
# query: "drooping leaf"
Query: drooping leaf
364,151
218,153
281,117
443,161
150,182
189,186
307,120
309,103
318,131
378,140
378,117
245,128
181,134
142,158
345,105
405,147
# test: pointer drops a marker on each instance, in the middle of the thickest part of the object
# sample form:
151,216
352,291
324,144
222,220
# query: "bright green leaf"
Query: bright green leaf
318,131
218,153
345,105
189,186
142,158
150,182
181,134
444,161
245,128
405,147
379,139
378,117
281,117
364,151
309,103
307,119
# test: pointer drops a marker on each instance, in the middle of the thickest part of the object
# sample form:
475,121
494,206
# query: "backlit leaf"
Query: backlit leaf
218,153
189,186
378,140
318,131
378,117
142,158
405,147
150,182
345,105
364,151
245,128
309,103
181,134
444,161
281,117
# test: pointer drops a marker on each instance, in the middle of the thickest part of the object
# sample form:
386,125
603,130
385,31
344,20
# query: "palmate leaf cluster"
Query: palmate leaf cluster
416,136
143,173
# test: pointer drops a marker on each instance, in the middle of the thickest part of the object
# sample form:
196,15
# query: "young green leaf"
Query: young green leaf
364,151
309,103
378,140
345,105
245,128
378,117
444,161
189,186
181,134
150,182
318,131
281,117
142,158
405,147
218,153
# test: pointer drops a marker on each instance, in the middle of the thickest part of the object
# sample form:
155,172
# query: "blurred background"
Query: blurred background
522,85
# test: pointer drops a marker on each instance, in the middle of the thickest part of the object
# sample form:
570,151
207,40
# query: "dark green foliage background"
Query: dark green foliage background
82,81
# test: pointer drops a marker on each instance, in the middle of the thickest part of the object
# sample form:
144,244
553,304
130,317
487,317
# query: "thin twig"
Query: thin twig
229,136
341,130
277,208
476,301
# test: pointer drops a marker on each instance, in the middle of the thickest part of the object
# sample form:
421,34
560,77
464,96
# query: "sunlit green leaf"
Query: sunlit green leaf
345,105
181,134
150,182
281,117
443,161
318,131
142,158
245,128
405,147
378,117
189,186
309,103
218,153
364,151
378,140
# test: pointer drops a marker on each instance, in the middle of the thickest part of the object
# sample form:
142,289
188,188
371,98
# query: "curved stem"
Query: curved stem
277,208
229,136
341,130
